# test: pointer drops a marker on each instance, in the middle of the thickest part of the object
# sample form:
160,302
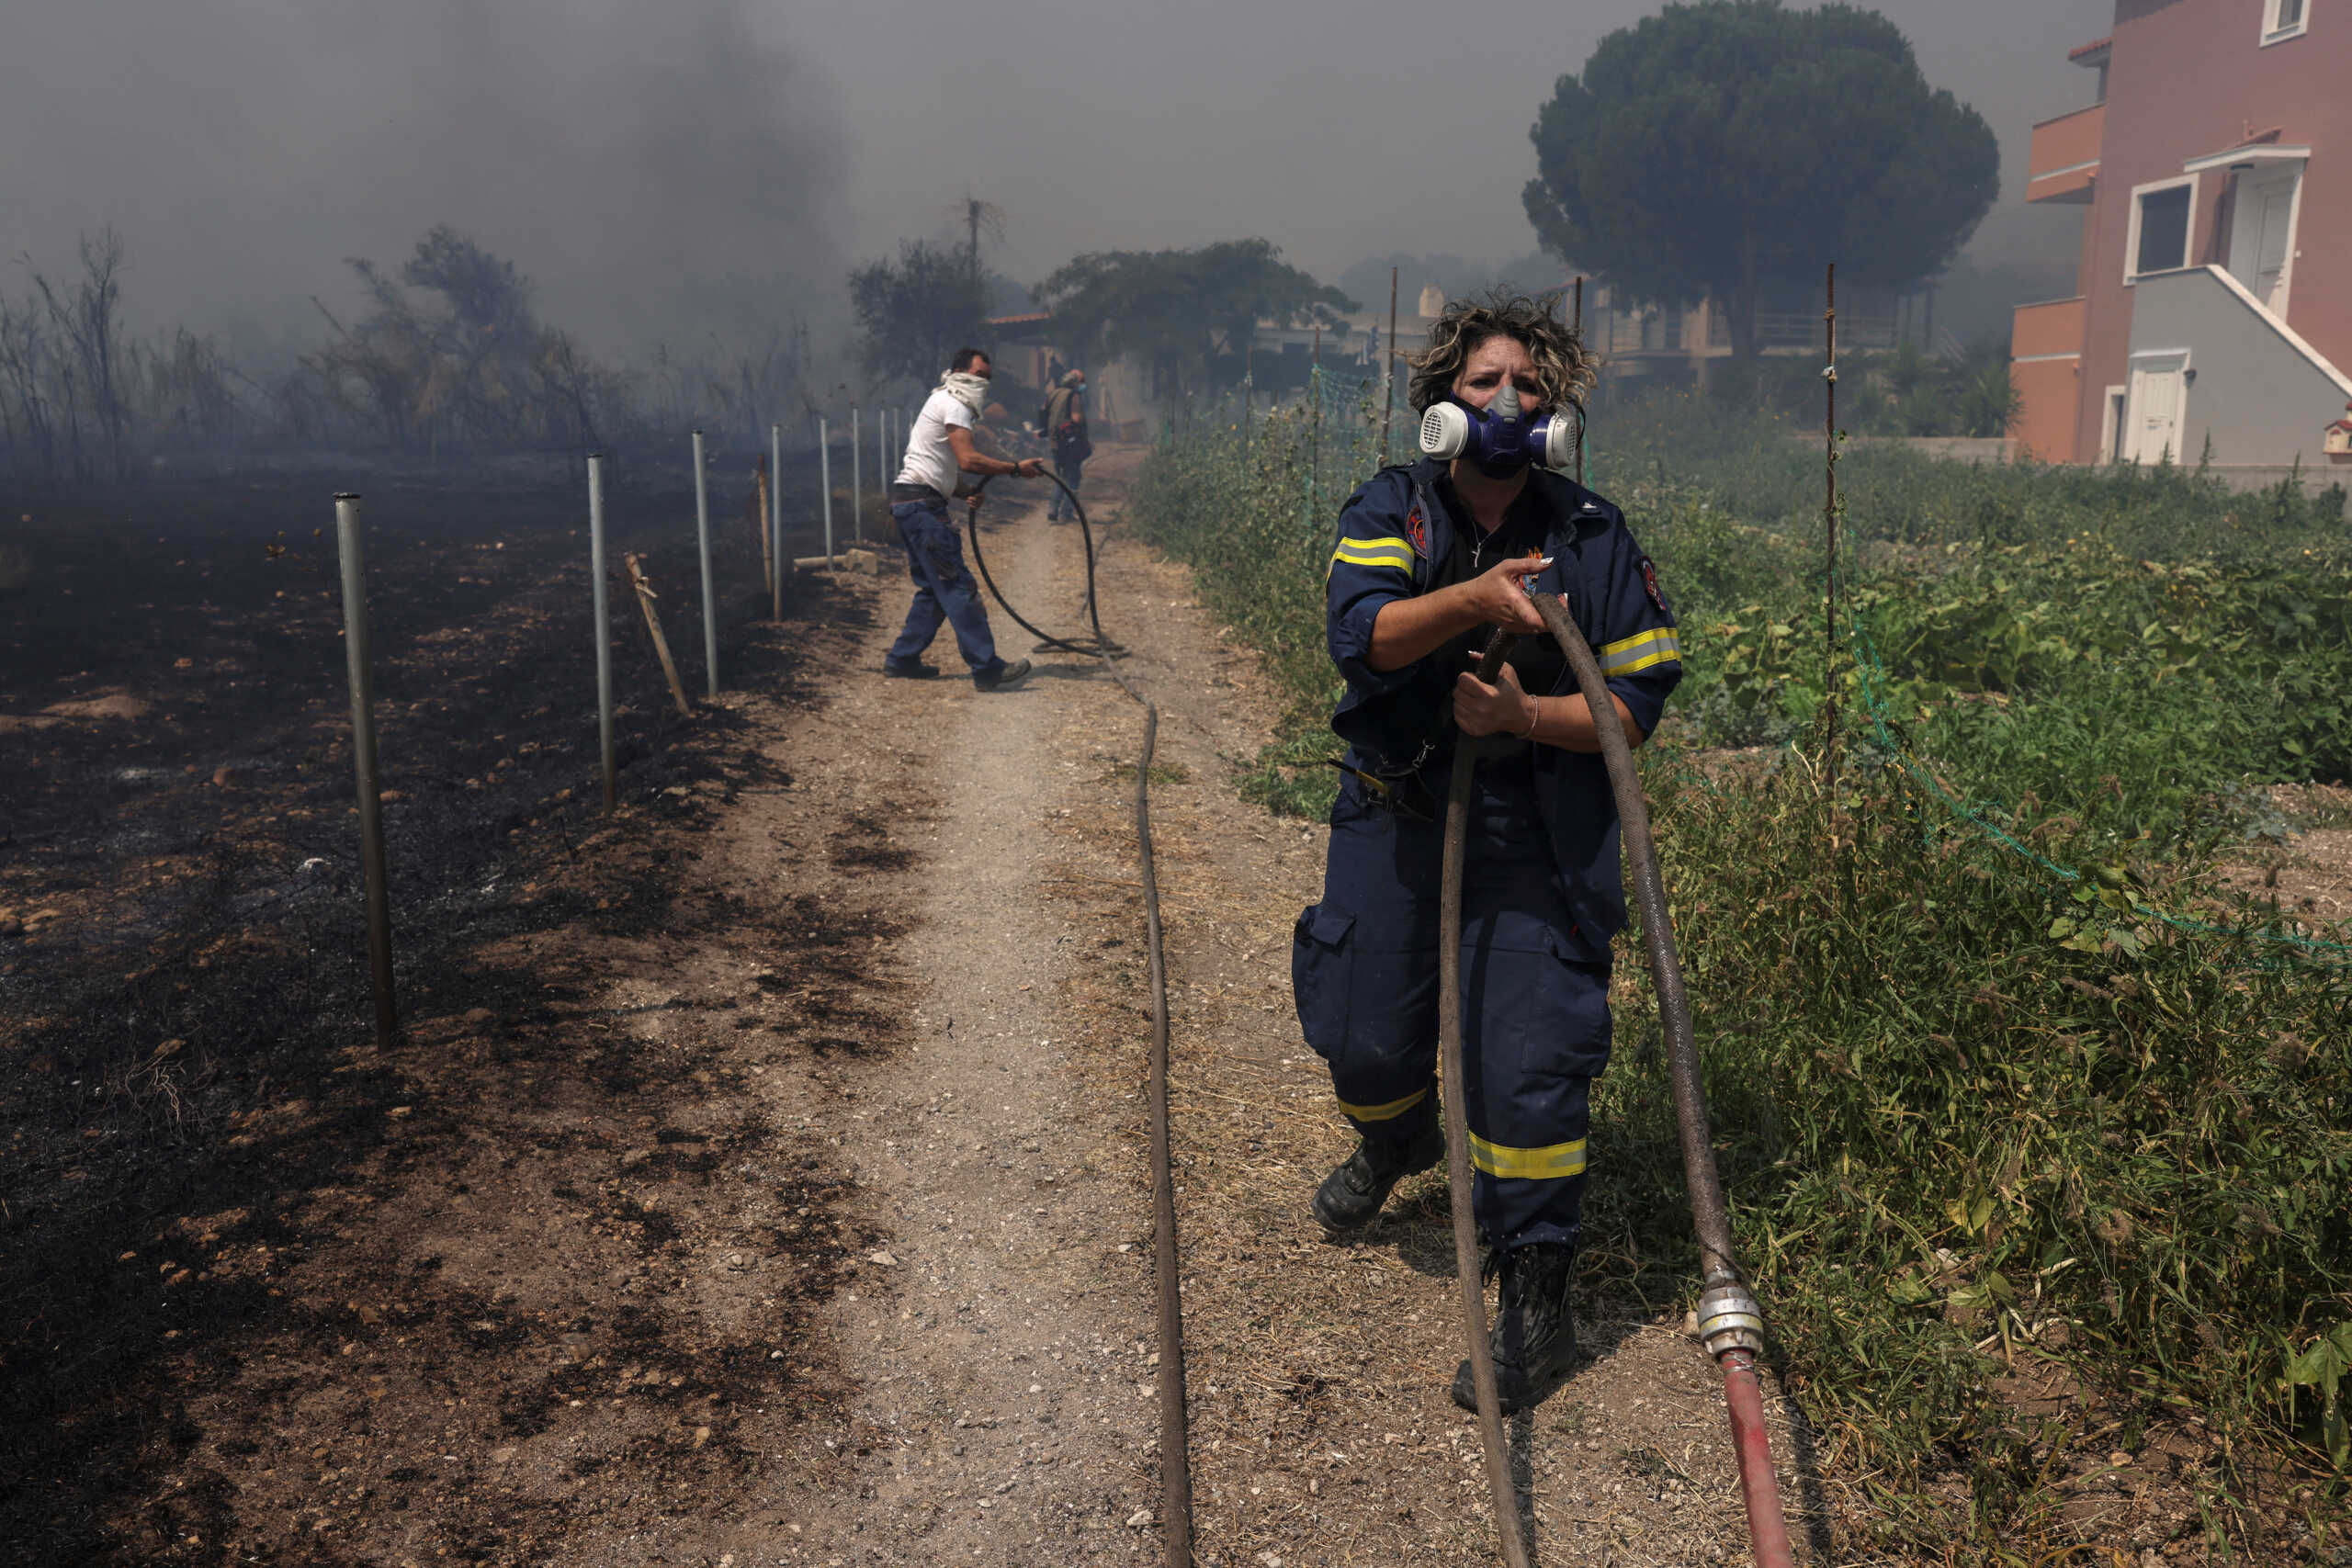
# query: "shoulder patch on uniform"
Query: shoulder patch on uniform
1417,531
1649,580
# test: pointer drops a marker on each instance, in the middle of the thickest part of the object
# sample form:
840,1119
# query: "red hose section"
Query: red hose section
1758,1487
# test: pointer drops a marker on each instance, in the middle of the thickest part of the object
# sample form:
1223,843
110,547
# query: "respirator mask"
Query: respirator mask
1497,438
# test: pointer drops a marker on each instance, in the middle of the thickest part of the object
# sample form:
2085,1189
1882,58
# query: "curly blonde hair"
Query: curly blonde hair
1563,365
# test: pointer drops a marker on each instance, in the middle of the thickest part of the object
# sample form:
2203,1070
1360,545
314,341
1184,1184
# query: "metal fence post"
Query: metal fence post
825,483
604,630
856,502
350,546
775,521
709,597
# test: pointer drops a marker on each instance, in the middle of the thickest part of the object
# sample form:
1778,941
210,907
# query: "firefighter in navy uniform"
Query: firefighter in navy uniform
1430,557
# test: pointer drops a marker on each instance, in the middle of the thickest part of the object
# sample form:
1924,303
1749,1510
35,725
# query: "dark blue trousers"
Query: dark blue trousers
1069,470
945,589
1534,998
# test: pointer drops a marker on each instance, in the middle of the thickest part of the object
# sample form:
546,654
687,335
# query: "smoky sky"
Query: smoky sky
1336,131
658,171
712,166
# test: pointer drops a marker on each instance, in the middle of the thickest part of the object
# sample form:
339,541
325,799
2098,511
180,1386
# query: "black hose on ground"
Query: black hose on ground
1175,1437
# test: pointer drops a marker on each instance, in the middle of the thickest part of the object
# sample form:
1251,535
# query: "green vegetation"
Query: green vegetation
1978,1117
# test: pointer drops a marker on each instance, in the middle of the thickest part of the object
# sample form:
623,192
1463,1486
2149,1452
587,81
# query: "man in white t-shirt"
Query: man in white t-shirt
939,448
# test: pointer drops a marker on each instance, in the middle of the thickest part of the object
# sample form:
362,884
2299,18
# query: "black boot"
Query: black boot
1350,1196
1535,1339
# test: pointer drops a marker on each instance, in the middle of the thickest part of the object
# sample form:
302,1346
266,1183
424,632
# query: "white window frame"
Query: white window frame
2132,274
2273,33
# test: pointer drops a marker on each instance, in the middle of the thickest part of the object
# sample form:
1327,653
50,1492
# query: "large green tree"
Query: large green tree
1723,145
1169,310
916,311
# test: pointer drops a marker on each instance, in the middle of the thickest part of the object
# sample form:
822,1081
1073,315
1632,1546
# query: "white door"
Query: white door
2270,249
2262,234
2152,410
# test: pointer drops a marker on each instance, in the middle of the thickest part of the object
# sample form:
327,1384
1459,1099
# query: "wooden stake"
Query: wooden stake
645,597
767,555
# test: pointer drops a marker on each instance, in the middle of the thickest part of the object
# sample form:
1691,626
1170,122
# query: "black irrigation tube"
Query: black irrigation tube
1730,1322
1175,1440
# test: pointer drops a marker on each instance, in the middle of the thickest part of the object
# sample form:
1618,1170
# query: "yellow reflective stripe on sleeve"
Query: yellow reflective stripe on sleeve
1390,543
1531,1165
1660,645
1388,559
1387,1112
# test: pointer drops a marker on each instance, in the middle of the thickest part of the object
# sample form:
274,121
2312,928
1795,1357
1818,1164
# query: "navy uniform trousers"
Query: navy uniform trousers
1534,1001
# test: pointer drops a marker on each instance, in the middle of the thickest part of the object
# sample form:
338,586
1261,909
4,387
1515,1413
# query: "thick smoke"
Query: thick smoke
660,172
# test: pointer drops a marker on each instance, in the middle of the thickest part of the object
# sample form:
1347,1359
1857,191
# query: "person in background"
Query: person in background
939,448
1064,427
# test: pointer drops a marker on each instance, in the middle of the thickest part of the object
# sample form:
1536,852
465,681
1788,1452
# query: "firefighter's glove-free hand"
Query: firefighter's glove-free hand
1499,594
1503,708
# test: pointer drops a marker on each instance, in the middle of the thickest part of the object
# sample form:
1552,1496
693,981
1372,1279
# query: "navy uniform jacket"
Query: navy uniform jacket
1394,532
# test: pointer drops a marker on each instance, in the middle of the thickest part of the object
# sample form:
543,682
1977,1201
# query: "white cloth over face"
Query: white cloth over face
931,456
970,390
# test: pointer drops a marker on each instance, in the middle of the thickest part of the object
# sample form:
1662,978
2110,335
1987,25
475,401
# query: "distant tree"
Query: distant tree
87,315
1168,310
1723,145
915,312
479,366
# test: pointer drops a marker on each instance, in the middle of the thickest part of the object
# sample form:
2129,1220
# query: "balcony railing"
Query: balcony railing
2064,160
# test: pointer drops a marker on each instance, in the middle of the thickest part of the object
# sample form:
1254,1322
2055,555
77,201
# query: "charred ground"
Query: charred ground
245,1255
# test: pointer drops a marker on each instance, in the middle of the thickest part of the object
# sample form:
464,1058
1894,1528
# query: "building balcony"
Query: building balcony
2045,367
2064,161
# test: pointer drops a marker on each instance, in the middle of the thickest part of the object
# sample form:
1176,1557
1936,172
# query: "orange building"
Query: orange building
2213,302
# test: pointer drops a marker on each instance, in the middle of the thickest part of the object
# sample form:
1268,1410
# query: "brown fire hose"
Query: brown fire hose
1730,1322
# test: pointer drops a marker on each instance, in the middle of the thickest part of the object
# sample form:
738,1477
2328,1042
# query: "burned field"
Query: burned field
268,1294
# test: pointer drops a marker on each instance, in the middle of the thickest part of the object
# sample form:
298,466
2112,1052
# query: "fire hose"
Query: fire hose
1731,1324
1097,645
1175,1440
